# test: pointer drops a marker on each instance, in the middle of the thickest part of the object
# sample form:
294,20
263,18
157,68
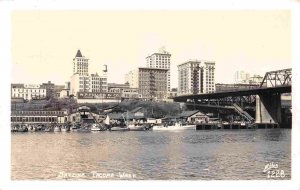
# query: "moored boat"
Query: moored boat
23,128
95,127
57,128
65,128
32,128
176,127
48,129
140,127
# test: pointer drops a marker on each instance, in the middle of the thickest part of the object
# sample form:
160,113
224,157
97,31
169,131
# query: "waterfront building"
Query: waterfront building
161,60
196,77
28,91
39,116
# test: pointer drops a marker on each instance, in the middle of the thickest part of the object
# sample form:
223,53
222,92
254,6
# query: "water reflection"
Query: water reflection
227,154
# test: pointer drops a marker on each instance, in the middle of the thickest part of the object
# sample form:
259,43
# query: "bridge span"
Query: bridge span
266,98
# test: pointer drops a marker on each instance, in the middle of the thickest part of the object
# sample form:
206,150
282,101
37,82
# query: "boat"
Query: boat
32,128
119,129
23,128
176,127
48,129
140,127
65,128
57,128
39,127
133,127
14,128
75,127
95,127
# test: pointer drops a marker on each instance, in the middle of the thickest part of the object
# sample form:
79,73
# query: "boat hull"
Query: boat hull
174,128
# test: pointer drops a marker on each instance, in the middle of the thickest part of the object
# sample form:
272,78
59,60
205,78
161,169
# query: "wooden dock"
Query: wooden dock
218,126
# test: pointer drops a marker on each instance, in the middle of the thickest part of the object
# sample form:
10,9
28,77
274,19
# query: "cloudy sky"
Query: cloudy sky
45,42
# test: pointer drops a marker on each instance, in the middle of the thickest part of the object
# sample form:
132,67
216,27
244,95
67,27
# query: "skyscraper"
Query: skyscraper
241,77
81,81
196,77
80,64
151,82
161,60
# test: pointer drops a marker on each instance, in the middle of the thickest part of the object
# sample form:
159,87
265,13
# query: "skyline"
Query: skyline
253,41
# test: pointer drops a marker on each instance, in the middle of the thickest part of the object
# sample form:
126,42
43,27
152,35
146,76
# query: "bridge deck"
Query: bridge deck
246,92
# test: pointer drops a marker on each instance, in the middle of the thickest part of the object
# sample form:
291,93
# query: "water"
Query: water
151,155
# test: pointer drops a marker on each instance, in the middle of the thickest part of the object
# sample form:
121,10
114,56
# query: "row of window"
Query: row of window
29,90
37,112
33,119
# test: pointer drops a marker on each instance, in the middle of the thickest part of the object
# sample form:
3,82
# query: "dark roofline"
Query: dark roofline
78,54
152,68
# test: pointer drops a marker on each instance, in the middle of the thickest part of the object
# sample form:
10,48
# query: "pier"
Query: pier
232,126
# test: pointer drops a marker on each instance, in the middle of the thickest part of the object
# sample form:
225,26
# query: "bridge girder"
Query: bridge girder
277,78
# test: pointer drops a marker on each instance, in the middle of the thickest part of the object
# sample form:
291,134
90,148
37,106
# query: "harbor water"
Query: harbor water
152,155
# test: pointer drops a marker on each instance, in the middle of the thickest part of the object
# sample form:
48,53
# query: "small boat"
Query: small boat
95,127
48,129
39,127
14,128
32,128
65,128
140,127
136,128
57,129
23,128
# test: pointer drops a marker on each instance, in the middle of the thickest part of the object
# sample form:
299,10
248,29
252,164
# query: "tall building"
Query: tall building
49,89
81,81
161,60
132,78
196,77
241,77
89,83
80,64
153,83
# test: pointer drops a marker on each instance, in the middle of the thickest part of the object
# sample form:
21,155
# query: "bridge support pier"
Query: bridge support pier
268,108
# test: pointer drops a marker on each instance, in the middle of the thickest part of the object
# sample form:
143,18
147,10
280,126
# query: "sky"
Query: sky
44,42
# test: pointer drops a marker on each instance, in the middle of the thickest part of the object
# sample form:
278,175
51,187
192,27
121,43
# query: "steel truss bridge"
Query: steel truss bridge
274,82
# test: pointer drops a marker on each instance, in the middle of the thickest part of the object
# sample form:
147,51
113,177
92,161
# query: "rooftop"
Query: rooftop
78,54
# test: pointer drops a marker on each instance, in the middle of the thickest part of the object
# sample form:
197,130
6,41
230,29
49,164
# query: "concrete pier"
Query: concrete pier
268,108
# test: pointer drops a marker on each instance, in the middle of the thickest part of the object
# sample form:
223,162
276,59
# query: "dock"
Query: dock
218,126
